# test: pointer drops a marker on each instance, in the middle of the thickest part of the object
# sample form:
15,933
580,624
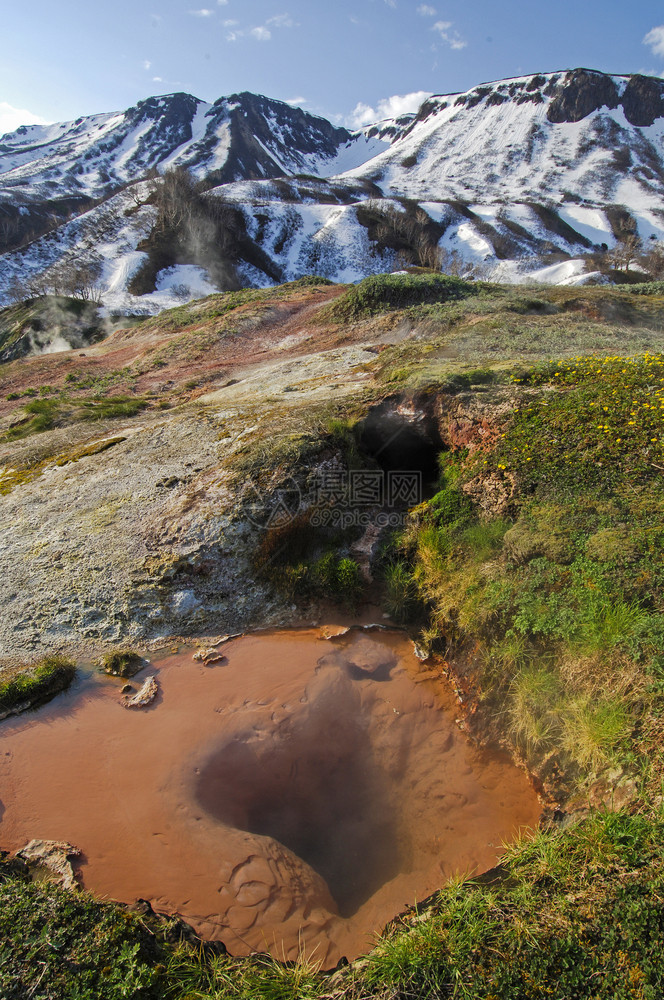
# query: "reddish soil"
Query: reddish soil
295,796
262,329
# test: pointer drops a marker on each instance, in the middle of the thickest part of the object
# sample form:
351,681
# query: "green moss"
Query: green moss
611,545
122,663
11,478
36,684
86,450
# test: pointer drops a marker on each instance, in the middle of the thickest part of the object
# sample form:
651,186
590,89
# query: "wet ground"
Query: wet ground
295,796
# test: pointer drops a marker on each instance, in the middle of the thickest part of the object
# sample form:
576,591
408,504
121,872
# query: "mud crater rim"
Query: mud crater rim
363,793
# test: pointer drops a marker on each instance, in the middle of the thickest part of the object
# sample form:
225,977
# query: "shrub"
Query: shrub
645,288
382,292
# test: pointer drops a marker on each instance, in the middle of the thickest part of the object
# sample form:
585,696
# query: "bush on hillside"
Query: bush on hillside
382,292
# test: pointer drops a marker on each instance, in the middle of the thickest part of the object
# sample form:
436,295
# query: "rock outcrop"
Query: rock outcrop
53,857
144,696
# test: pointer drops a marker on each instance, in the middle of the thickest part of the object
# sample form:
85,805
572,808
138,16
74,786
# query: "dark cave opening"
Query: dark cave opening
402,438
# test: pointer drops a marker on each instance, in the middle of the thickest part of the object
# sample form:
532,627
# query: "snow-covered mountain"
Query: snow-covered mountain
502,175
237,137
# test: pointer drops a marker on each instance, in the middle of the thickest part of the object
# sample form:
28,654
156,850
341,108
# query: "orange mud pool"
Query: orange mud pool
292,798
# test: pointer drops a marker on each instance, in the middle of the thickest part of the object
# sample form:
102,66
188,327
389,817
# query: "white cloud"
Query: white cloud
391,3
222,3
230,23
426,11
146,64
157,79
452,38
655,40
262,32
282,21
203,12
295,102
389,107
12,118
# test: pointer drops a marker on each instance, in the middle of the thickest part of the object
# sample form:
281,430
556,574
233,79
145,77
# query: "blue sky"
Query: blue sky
352,60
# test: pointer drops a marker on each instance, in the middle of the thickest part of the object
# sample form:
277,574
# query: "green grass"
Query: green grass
45,414
400,594
608,420
572,913
193,976
111,407
564,591
395,291
36,684
579,915
560,602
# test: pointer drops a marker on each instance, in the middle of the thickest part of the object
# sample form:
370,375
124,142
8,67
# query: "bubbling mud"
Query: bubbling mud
293,798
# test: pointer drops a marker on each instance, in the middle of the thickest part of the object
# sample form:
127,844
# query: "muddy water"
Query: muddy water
297,795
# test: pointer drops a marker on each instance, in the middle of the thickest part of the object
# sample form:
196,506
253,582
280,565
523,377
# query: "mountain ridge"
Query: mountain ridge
514,177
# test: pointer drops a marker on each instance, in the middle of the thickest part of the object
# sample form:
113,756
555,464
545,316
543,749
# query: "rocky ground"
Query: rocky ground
136,527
